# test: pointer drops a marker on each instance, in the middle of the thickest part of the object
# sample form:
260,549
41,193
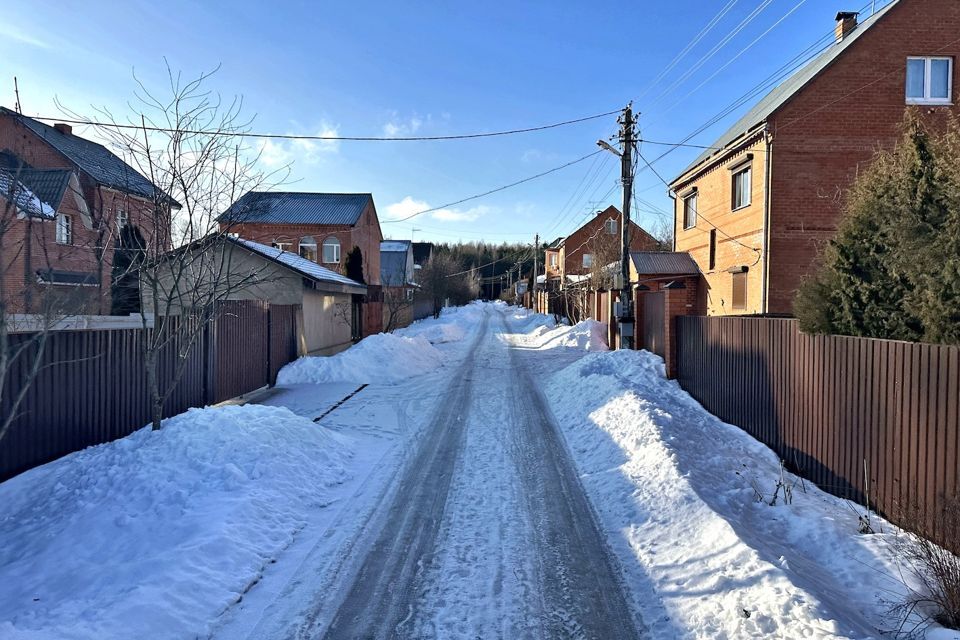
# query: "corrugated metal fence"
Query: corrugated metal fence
92,387
858,416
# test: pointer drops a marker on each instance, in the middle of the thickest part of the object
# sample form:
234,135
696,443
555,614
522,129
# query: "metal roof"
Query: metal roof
298,208
47,184
304,267
93,158
667,263
395,245
787,89
23,197
393,269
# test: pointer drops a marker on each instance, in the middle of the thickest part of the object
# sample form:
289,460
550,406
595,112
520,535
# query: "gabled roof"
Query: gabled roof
787,89
28,202
273,207
92,158
394,255
48,184
556,244
666,263
304,267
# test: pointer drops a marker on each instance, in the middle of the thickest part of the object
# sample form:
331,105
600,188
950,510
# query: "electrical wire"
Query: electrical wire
492,191
290,136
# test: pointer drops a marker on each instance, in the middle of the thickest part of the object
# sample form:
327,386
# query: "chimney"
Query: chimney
63,128
846,22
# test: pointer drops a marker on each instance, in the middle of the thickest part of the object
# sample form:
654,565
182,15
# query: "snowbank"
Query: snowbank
155,534
453,324
541,333
703,558
385,358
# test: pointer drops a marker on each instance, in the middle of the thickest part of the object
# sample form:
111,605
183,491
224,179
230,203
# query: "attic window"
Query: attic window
610,226
929,80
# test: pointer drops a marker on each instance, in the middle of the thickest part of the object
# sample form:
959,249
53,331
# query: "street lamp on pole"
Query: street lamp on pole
626,307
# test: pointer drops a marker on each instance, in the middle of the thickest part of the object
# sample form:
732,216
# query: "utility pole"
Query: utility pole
626,172
533,287
625,318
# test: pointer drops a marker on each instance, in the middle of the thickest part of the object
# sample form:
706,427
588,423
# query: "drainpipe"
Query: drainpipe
765,269
673,235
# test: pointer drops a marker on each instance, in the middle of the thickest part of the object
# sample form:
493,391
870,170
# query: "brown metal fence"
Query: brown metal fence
92,387
858,416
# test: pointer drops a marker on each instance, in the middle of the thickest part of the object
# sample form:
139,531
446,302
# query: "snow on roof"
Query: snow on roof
395,245
298,263
25,199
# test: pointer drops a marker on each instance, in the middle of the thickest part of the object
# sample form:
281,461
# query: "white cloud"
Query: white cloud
15,33
409,206
397,127
276,152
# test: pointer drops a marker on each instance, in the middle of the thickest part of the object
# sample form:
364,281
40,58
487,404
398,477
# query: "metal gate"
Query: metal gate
653,304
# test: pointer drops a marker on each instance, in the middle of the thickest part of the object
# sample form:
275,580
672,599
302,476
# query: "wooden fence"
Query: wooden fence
857,416
92,387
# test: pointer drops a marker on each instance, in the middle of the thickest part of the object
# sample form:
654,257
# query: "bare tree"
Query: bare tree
443,281
32,305
397,307
189,144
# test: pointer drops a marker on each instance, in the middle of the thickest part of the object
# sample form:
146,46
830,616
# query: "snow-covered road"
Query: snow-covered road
491,475
490,533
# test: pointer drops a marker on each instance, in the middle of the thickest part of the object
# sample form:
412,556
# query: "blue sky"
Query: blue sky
396,69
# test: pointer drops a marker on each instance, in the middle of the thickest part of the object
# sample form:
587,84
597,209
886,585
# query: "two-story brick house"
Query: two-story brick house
755,209
322,227
91,200
595,244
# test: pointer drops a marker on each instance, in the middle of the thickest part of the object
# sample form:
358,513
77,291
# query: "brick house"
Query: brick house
754,210
596,243
321,227
90,200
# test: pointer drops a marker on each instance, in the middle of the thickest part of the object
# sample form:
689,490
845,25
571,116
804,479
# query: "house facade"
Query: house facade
398,275
92,204
323,228
755,210
594,245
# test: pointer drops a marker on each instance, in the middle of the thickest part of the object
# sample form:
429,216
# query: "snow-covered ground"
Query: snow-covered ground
252,521
674,489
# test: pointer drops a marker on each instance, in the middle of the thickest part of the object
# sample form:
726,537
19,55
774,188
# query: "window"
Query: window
713,249
331,250
64,229
740,290
741,188
409,295
610,226
929,80
690,211
283,246
553,260
587,260
308,248
122,219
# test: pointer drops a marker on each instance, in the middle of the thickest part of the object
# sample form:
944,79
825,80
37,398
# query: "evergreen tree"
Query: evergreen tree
354,266
893,269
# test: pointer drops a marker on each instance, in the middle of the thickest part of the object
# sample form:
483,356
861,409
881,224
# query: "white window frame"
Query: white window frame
554,261
927,66
610,226
301,245
686,200
733,185
122,219
329,242
587,260
64,229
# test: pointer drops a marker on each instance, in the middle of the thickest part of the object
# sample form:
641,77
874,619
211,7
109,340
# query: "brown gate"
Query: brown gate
241,348
653,304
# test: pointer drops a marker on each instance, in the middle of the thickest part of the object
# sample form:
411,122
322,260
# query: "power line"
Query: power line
690,45
498,189
290,136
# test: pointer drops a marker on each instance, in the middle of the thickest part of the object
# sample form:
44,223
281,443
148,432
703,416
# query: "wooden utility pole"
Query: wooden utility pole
533,286
626,319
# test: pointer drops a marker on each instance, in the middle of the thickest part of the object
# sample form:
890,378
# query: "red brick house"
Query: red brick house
90,199
755,209
595,244
322,227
